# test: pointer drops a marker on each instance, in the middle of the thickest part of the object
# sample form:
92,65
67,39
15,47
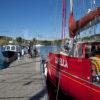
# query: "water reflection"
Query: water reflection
52,93
3,64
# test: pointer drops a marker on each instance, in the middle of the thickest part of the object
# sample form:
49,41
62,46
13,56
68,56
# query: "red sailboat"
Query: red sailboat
77,73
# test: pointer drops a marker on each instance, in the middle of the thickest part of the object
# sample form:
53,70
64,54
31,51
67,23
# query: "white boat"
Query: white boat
10,52
38,45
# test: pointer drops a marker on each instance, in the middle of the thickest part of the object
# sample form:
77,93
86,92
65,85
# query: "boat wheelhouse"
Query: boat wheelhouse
11,52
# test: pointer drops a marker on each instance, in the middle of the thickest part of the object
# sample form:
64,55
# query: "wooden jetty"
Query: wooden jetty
23,80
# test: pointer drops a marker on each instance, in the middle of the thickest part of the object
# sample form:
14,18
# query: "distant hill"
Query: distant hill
4,39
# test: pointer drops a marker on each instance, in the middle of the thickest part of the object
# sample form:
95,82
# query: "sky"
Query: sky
36,18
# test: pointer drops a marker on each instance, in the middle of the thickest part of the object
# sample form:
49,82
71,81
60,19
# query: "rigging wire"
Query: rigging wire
93,6
62,37
84,11
56,16
84,7
58,87
63,21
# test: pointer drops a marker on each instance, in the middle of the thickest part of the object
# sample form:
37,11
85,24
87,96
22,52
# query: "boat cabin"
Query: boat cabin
87,49
14,48
90,50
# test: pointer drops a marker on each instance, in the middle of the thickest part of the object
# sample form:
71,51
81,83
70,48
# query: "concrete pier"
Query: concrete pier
23,80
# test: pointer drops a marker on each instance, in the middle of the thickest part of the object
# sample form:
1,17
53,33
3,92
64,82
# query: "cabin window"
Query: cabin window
80,50
95,49
13,48
88,51
8,47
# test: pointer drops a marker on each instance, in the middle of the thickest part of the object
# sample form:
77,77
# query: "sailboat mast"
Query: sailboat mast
71,6
63,21
71,24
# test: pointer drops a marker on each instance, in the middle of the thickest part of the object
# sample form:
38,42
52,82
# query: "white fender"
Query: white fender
45,70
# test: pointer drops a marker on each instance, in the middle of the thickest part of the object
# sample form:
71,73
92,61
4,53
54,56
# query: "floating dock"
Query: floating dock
23,80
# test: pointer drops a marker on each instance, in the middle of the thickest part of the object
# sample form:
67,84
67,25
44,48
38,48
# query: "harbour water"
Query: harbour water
3,64
44,50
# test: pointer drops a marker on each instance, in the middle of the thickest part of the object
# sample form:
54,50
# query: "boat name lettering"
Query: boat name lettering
61,62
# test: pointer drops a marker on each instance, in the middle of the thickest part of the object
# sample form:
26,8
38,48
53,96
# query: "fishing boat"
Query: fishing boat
77,72
10,52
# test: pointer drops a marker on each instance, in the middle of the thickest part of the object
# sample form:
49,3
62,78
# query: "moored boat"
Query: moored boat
10,52
77,73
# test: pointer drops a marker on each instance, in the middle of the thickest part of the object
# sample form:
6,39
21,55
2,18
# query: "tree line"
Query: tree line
34,41
22,41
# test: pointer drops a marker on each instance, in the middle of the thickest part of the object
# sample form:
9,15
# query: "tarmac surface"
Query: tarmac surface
23,80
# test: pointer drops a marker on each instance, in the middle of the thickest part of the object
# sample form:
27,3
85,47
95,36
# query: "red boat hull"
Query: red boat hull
73,76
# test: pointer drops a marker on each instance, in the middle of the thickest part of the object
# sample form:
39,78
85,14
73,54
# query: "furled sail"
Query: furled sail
90,19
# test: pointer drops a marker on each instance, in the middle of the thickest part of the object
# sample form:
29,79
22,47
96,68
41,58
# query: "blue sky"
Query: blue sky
35,18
